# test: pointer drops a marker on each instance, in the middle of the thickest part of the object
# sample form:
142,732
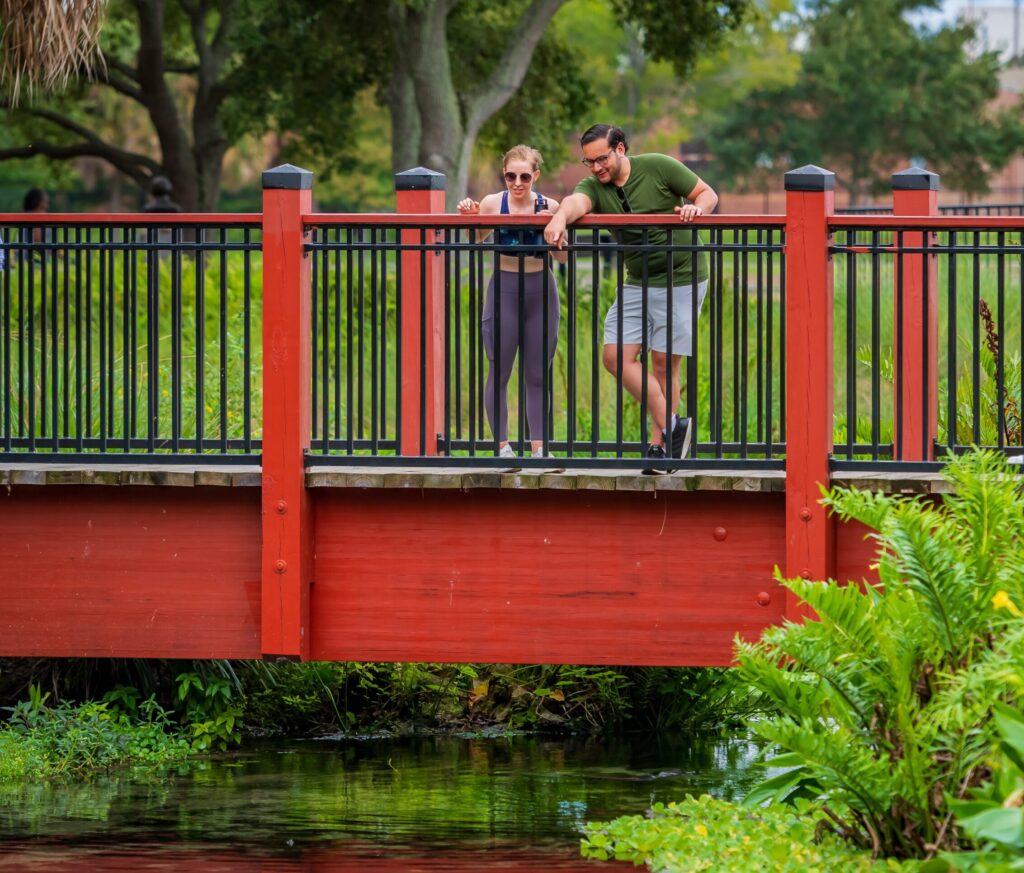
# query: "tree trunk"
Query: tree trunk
209,141
424,105
176,154
401,97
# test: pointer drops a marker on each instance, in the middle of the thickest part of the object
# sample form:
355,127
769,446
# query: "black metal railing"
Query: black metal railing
973,295
125,337
733,385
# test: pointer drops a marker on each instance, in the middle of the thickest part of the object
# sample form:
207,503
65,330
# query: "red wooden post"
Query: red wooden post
421,192
916,192
810,539
287,550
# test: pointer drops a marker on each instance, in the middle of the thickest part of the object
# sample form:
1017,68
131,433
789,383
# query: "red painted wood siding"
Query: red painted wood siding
474,576
130,572
542,576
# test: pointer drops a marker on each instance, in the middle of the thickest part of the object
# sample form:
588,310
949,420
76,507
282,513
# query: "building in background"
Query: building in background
997,28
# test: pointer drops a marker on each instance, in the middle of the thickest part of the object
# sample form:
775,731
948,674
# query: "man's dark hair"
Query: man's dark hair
613,134
32,200
161,187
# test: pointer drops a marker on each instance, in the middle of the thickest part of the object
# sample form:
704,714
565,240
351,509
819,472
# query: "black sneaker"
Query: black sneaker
655,453
680,441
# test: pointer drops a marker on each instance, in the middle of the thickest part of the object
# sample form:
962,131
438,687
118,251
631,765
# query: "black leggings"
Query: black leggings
534,357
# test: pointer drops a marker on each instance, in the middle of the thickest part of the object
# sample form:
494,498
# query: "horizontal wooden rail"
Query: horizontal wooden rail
116,219
926,222
445,220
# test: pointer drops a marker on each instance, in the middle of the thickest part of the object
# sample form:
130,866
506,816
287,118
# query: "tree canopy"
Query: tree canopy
452,74
201,74
874,91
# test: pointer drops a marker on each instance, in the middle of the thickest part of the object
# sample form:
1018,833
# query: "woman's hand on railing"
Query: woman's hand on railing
468,206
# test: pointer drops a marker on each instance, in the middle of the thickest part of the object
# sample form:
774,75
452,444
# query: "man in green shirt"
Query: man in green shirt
653,185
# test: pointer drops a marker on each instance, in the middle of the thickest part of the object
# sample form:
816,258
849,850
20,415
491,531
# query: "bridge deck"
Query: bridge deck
460,478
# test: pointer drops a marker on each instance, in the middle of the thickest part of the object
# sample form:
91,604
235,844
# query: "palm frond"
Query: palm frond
46,42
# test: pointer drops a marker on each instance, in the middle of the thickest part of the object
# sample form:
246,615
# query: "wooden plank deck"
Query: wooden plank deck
461,478
181,475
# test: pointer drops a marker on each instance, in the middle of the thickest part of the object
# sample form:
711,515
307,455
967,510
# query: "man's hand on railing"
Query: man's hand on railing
689,212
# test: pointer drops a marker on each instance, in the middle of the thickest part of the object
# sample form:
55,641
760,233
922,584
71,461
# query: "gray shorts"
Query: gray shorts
631,298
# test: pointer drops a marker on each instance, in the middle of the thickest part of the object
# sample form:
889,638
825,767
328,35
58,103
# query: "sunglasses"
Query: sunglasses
623,202
511,177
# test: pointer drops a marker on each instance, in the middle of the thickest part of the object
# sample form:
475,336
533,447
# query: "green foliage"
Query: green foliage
994,815
553,101
300,67
873,91
719,837
879,711
322,697
690,700
211,714
42,740
676,30
200,284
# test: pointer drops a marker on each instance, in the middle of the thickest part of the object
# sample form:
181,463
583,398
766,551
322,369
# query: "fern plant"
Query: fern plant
880,715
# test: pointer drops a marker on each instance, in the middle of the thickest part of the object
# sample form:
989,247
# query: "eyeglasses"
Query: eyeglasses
621,193
511,177
602,161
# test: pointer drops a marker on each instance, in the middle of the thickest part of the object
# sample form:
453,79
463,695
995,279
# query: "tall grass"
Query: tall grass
976,272
124,349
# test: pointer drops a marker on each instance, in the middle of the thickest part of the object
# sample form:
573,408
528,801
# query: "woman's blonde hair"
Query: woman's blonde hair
523,153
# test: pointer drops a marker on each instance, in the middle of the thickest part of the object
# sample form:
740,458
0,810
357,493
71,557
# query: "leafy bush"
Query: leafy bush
885,700
40,740
994,816
703,834
690,699
210,713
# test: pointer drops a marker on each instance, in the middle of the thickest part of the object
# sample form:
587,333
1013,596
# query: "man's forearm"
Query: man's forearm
707,200
573,208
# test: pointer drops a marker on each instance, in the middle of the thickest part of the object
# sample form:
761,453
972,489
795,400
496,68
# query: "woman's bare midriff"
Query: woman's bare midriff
530,265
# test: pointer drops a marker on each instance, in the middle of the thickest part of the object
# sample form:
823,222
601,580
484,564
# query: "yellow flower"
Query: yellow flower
1001,600
701,830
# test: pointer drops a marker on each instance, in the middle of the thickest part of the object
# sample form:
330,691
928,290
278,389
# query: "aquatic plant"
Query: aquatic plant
885,699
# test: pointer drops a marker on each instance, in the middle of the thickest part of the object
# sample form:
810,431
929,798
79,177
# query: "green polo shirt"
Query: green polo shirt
656,184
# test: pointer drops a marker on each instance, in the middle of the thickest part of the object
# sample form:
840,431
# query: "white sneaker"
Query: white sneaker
539,453
506,451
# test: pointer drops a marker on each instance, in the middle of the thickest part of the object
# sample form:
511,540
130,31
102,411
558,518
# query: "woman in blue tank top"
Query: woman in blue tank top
523,262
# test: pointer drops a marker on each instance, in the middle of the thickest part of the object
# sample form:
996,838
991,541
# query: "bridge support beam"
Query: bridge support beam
286,564
915,191
810,533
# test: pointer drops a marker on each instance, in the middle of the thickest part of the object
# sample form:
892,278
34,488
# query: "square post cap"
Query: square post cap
288,177
420,179
915,179
810,178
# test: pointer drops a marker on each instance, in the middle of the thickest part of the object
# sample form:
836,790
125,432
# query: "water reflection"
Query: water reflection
438,803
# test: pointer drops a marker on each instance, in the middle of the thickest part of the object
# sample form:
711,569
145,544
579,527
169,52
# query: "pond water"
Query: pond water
417,804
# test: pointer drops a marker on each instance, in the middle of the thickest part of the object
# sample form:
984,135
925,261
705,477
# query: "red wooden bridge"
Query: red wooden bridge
309,538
